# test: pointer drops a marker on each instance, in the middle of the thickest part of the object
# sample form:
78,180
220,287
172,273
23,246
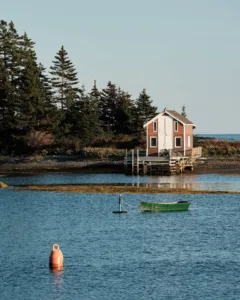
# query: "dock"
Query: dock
166,163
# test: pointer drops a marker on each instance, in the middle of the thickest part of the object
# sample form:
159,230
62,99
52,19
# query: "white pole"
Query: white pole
120,202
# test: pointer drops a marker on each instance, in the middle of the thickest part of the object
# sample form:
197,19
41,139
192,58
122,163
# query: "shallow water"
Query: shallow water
177,255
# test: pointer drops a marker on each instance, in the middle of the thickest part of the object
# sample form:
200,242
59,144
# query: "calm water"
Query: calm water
228,137
178,255
198,182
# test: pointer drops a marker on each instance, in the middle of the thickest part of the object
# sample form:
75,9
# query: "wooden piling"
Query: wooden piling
137,162
132,162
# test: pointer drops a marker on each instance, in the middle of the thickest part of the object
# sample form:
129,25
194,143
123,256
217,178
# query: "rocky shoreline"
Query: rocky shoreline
58,164
218,165
70,164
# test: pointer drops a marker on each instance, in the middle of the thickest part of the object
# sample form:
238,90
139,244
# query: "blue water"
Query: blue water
227,137
178,255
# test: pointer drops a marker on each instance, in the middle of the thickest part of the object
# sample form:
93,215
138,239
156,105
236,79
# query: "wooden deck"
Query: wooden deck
136,163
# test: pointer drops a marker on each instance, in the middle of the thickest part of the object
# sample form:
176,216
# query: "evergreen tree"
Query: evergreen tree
31,91
52,115
108,103
51,118
10,73
3,98
64,79
123,113
95,97
144,110
85,118
183,113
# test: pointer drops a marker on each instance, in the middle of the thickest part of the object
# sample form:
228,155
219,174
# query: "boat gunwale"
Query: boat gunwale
163,206
160,203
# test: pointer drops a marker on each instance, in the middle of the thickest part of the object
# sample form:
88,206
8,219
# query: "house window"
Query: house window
154,126
189,141
153,142
175,126
178,142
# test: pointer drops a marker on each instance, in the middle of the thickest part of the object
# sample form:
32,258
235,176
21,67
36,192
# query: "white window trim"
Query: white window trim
175,123
178,137
189,141
153,137
154,123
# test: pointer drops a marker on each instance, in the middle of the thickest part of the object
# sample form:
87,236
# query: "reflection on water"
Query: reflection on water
211,182
195,182
57,277
57,284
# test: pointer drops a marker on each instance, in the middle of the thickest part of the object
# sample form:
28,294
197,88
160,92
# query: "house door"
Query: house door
169,133
161,140
165,137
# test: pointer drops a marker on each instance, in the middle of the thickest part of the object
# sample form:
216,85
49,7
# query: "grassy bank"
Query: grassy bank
117,189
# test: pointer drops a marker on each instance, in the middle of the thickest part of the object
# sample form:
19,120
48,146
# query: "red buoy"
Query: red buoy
56,258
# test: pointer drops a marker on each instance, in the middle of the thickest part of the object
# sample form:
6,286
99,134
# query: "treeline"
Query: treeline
51,111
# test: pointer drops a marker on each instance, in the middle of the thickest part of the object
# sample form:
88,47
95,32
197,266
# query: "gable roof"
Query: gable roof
175,115
179,117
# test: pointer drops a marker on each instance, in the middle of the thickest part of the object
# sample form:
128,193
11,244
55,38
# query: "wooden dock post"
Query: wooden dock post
126,162
144,168
137,162
170,152
132,162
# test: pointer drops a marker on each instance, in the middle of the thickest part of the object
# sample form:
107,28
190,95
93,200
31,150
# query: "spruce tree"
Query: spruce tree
94,99
3,98
95,96
51,119
85,118
32,105
123,113
10,74
9,55
183,113
64,79
108,104
144,110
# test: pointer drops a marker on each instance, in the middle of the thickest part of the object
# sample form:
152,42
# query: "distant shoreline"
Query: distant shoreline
218,136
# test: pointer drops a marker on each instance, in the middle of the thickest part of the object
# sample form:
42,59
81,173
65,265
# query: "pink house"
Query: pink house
170,131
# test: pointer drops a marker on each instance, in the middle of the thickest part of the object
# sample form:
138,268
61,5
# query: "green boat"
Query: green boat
164,206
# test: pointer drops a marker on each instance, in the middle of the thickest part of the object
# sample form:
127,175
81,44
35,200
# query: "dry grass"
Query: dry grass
108,189
215,147
3,185
94,152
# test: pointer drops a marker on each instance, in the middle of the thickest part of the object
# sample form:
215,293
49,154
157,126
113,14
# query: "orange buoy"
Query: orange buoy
56,258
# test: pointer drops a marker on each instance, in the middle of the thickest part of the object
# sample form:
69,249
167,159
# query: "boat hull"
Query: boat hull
163,207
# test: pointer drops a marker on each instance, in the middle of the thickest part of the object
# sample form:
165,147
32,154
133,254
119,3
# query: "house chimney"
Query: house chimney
95,83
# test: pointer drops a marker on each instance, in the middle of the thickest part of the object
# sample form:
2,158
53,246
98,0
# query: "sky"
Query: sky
183,52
